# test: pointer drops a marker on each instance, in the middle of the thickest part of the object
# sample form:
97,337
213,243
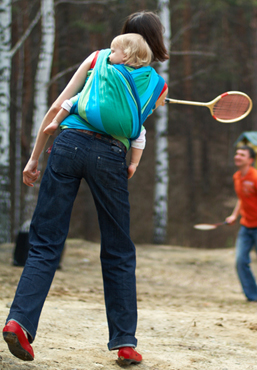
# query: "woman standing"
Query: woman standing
100,160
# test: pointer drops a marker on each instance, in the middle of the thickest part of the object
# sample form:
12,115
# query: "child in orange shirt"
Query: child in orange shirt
245,183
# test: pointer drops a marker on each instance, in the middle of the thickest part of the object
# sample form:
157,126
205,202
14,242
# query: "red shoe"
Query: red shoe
127,356
17,341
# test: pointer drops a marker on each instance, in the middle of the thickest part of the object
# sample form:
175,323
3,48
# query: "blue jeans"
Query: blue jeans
75,156
246,239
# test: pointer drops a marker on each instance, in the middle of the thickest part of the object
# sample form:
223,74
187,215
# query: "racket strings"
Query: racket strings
231,106
205,226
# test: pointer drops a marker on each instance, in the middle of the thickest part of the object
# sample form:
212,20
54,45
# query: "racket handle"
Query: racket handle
221,223
186,102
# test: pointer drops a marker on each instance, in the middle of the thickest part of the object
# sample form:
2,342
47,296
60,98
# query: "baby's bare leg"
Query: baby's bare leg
51,128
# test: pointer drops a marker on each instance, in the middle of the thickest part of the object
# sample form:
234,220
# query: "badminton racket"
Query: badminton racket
232,106
209,226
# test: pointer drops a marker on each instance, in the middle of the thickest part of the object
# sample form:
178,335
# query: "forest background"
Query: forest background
213,49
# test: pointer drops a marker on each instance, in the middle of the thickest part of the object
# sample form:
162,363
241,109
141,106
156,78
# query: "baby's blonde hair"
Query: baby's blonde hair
136,49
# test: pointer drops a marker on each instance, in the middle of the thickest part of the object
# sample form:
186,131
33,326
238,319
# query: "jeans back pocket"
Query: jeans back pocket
63,159
110,171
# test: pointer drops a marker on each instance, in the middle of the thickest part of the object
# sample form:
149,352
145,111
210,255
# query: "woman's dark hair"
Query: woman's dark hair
148,25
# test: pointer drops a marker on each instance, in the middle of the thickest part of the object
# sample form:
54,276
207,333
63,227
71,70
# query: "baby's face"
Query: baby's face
117,56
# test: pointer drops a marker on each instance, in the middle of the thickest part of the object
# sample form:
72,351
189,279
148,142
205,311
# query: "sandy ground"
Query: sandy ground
192,314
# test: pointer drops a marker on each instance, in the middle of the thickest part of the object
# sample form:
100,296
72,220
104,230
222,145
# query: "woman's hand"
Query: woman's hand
161,100
30,172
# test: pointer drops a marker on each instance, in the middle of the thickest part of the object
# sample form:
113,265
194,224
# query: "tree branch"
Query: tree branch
26,34
190,77
63,73
77,2
200,53
187,27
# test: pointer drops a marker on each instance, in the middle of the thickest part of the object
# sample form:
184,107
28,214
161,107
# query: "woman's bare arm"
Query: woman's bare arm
30,173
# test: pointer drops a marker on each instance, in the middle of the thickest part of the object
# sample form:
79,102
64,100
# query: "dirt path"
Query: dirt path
192,314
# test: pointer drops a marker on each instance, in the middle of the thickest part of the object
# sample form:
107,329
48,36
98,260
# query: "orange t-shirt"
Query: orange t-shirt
246,190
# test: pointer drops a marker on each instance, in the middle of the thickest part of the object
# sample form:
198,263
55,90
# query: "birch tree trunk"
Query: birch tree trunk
187,65
18,129
43,75
5,72
161,143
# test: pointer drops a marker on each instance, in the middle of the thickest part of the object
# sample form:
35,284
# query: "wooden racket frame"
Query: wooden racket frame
211,104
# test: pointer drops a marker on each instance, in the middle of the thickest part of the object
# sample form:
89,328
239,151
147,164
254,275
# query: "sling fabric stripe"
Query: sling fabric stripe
108,101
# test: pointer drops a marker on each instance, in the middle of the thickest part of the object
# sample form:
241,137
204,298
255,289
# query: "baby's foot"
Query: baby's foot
51,128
